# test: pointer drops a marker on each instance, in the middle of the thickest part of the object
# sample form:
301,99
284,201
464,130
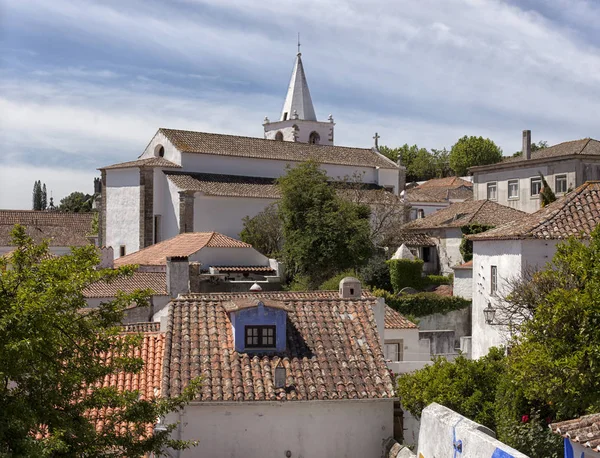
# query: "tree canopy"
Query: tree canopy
76,202
471,151
419,162
264,232
40,198
53,361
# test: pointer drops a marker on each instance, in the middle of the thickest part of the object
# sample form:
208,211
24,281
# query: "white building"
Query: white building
403,350
62,230
515,181
202,182
433,195
506,252
463,280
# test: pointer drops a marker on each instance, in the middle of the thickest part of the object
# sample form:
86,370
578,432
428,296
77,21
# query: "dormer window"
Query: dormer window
261,336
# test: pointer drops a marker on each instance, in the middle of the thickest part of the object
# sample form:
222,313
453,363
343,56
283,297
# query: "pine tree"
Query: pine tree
546,193
37,195
44,198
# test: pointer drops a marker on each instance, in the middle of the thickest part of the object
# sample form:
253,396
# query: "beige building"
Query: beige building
515,182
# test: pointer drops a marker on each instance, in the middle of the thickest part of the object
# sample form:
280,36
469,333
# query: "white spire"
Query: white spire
298,96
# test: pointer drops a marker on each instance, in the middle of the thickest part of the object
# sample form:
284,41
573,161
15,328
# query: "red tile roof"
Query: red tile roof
462,213
179,246
584,430
333,351
148,162
575,214
60,228
448,182
155,281
466,265
232,145
394,320
261,269
412,239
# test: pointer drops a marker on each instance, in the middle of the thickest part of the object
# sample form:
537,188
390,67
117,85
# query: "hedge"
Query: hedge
422,304
439,280
404,272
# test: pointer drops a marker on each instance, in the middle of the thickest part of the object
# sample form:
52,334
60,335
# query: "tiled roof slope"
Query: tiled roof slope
466,265
448,182
155,281
145,326
469,212
232,145
181,245
412,239
394,320
583,147
60,228
332,351
584,430
575,214
424,195
148,162
147,381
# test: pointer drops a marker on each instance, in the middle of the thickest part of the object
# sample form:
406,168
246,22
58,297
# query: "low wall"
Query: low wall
458,321
446,433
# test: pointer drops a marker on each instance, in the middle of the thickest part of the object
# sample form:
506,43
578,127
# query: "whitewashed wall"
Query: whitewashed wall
412,351
341,429
123,209
449,250
171,153
463,283
305,128
427,207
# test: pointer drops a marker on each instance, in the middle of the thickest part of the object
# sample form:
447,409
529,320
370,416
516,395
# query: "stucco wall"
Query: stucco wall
171,153
449,250
352,429
443,431
458,321
123,209
411,350
303,131
463,283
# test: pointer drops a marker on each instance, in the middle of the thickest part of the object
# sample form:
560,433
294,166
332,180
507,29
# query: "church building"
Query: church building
186,181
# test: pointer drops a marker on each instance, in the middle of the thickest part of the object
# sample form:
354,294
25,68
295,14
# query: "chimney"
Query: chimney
527,144
178,275
107,258
350,288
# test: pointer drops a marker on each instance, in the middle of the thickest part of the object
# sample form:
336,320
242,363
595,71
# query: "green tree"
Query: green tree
534,147
37,196
464,385
323,234
466,246
423,166
264,232
441,162
53,361
44,198
76,202
471,151
547,196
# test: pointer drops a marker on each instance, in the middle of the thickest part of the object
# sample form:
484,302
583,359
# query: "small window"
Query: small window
493,279
260,337
122,250
285,116
314,138
156,228
420,213
393,351
536,186
279,136
159,151
513,189
492,191
560,184
426,254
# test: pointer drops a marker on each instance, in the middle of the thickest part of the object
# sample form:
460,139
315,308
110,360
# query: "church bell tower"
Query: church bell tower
298,122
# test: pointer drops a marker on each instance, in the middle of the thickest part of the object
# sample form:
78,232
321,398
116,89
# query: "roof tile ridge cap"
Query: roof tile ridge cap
584,146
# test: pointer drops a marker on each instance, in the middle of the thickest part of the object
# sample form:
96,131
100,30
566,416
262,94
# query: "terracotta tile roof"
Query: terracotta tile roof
584,430
179,246
262,269
156,281
583,147
147,326
147,381
412,239
333,351
443,290
575,214
448,183
424,195
460,213
466,265
60,228
394,320
277,295
148,162
232,145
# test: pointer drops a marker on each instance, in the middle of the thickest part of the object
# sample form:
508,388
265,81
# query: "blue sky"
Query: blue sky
85,84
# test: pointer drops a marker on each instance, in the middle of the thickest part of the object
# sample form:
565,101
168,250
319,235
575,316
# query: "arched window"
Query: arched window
279,136
159,151
314,138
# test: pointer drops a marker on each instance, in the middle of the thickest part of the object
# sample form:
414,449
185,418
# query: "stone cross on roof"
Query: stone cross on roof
376,137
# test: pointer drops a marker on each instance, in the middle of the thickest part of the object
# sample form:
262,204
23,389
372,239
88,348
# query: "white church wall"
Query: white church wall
388,177
224,214
123,209
303,131
170,219
229,257
340,428
171,153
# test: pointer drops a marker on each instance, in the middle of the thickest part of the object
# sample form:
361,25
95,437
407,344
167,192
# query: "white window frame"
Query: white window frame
536,180
513,182
562,177
399,351
492,185
493,280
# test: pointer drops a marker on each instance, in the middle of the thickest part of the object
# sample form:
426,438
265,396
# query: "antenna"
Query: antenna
298,42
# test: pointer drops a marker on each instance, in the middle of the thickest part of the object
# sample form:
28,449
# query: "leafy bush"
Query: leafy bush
439,280
334,282
422,304
466,246
376,273
466,386
404,272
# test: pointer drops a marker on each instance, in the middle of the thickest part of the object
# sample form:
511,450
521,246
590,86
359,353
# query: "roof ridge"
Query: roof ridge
585,146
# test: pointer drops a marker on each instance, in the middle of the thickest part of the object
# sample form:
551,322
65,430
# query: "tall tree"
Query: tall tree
37,195
53,361
471,151
76,202
547,196
264,232
323,234
44,198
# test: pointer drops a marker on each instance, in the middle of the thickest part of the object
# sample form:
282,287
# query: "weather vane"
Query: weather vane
298,42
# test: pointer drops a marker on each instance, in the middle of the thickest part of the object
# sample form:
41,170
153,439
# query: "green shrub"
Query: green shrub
422,304
466,246
333,283
404,272
376,273
439,280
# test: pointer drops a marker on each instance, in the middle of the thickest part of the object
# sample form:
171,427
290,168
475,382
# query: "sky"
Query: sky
84,84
